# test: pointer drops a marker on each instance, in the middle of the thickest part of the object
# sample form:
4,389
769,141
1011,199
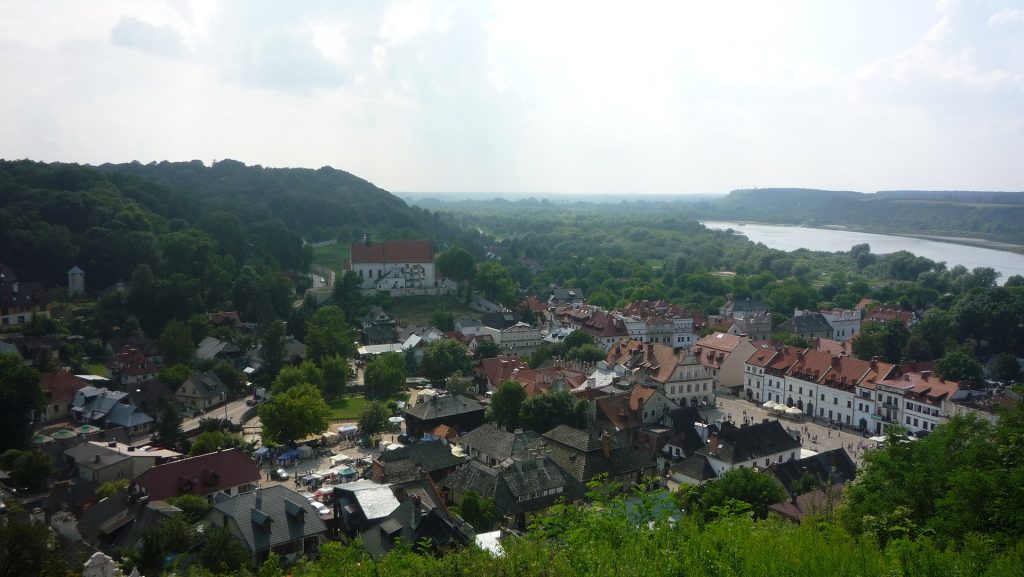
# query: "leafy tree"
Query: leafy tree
930,337
290,377
457,384
192,506
443,358
442,321
296,413
176,343
877,340
586,354
959,364
541,413
478,512
385,375
496,283
20,399
111,488
374,419
347,294
174,375
486,349
26,548
212,441
169,425
577,339
230,376
31,469
791,340
272,349
223,552
1005,368
506,403
457,264
335,371
327,334
756,489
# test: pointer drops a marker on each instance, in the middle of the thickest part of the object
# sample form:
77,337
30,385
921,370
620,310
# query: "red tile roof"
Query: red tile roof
537,381
500,369
61,385
393,251
200,475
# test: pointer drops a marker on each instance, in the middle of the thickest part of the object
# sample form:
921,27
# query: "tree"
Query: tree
496,283
746,485
506,403
328,334
192,506
486,349
212,441
959,364
290,377
335,372
442,321
478,512
374,419
296,413
174,375
443,358
176,343
457,384
20,399
385,375
586,354
111,488
1005,368
31,469
347,295
885,341
26,548
272,349
169,425
457,264
222,551
541,413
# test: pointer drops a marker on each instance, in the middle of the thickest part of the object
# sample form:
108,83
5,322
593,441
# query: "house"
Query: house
151,395
273,519
100,462
753,326
362,504
743,307
845,323
201,391
394,264
808,325
492,445
378,326
433,458
724,356
213,348
661,322
623,414
583,455
679,374
146,346
59,390
887,314
518,340
229,319
605,327
828,467
228,471
765,371
457,411
130,365
731,447
497,370
557,378
521,488
117,523
566,296
821,501
499,320
108,409
19,301
924,398
420,518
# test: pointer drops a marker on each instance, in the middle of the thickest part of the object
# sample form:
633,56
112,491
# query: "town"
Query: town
462,432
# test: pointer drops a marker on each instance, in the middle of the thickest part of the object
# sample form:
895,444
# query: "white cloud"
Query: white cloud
1007,17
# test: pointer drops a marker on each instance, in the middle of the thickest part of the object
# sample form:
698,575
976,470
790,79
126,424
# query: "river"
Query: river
789,238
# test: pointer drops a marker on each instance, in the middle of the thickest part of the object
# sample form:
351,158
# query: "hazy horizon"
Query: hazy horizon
578,98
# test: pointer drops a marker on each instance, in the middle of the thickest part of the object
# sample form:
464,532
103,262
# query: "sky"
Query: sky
530,96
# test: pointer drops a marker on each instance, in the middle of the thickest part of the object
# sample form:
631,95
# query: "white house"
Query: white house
394,264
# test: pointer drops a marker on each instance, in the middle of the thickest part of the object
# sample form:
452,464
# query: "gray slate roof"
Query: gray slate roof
695,467
739,444
208,385
834,465
430,455
442,406
811,323
284,526
580,454
496,442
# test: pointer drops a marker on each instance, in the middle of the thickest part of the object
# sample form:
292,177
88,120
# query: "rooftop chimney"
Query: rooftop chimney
606,444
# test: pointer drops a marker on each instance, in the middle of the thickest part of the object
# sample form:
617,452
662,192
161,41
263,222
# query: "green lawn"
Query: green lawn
347,408
98,369
332,257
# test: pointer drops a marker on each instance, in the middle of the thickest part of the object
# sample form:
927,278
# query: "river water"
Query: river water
790,238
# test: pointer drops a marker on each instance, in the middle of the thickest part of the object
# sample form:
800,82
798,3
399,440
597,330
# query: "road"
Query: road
235,411
813,435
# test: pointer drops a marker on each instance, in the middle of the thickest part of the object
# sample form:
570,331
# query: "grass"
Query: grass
347,408
98,369
332,257
418,309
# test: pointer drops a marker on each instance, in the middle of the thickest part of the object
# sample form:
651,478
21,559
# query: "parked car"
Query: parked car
323,511
279,475
250,401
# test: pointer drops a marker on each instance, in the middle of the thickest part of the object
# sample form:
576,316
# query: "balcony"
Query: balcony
891,406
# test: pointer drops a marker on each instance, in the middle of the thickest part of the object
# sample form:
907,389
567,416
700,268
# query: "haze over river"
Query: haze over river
790,238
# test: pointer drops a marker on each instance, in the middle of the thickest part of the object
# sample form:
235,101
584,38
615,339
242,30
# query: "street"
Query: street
235,411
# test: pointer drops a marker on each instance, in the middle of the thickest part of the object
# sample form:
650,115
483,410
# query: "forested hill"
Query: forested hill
186,217
316,201
993,215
